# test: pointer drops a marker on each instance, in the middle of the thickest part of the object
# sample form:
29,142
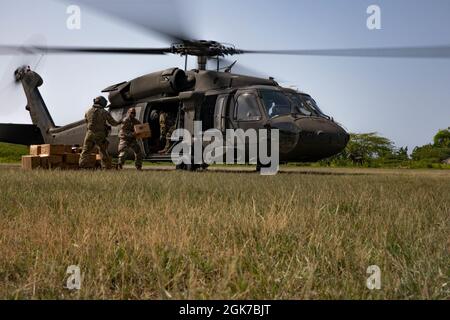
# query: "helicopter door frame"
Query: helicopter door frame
247,124
256,123
220,112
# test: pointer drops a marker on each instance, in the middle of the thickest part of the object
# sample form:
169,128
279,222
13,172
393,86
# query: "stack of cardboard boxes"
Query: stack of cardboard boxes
52,156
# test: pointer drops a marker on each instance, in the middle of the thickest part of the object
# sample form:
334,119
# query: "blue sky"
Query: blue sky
407,100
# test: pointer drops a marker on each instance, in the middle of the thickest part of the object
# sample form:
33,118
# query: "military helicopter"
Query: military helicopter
218,98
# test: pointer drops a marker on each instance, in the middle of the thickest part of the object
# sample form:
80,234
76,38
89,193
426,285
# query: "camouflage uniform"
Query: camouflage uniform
167,126
128,142
97,132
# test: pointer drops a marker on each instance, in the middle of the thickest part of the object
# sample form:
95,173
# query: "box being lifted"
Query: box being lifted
142,131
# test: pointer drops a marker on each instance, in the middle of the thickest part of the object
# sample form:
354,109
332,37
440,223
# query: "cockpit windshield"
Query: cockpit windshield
305,105
280,103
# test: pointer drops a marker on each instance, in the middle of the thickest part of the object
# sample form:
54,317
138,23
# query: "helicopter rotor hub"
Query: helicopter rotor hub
204,48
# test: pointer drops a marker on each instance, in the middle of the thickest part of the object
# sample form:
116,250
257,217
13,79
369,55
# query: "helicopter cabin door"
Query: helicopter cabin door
220,112
246,113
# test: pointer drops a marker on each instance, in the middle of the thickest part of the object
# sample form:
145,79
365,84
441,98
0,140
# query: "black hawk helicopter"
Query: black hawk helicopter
218,98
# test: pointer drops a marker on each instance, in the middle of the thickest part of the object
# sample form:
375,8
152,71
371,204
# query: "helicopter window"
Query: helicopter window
247,108
276,103
219,112
299,105
305,105
313,105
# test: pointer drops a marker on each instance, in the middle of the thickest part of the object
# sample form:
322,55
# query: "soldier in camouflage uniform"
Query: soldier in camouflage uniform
128,142
167,126
97,120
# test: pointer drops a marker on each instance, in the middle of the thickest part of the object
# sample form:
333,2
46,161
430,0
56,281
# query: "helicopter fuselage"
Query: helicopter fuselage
220,100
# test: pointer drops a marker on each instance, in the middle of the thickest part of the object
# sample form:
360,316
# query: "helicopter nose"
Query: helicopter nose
319,138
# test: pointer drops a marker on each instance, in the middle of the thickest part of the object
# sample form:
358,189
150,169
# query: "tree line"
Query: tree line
374,150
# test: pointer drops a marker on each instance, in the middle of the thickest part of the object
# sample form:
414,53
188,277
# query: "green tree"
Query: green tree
436,152
442,138
430,153
363,147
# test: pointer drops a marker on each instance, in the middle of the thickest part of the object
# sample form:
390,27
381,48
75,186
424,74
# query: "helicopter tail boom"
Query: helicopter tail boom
40,116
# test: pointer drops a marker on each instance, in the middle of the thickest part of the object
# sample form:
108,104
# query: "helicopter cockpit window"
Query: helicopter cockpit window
313,105
305,105
300,106
247,108
276,103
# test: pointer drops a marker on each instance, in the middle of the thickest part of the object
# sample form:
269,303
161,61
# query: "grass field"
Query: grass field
10,153
162,235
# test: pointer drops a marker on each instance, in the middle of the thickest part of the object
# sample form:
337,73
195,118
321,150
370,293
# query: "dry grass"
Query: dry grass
165,235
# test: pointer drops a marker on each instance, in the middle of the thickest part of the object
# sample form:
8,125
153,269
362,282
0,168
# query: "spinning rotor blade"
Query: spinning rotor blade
10,88
163,17
400,52
237,68
42,49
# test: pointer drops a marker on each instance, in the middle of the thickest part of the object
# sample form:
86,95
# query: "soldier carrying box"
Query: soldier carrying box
128,142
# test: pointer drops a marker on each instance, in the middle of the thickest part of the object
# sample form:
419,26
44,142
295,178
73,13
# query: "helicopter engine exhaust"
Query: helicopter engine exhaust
166,82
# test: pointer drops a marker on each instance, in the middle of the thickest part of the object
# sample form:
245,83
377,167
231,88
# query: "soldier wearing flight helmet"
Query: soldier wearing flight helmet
97,120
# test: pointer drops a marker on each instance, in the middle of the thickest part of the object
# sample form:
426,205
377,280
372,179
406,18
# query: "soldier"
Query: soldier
167,126
97,120
128,142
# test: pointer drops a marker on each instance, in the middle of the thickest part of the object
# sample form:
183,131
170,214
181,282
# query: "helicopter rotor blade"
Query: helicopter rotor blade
6,50
394,52
163,17
9,87
237,68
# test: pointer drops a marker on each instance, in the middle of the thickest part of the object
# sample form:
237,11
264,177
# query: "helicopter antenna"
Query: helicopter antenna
228,69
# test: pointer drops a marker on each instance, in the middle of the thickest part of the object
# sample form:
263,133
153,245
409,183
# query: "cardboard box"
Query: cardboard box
51,161
52,149
71,158
35,150
31,162
142,131
68,148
